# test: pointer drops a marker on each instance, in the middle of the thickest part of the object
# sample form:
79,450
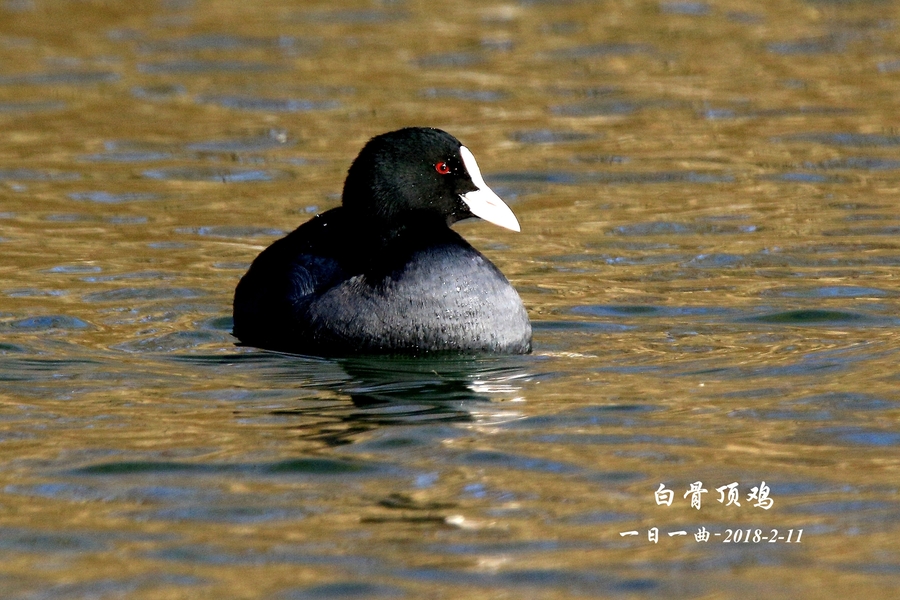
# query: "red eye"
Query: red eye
442,168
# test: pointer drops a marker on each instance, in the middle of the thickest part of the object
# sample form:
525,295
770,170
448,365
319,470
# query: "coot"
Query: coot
384,273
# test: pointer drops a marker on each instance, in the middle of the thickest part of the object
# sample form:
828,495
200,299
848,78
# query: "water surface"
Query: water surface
707,194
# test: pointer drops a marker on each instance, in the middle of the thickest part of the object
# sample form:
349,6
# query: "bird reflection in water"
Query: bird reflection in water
398,391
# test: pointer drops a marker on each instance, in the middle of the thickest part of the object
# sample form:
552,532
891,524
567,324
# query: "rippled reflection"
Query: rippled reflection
708,254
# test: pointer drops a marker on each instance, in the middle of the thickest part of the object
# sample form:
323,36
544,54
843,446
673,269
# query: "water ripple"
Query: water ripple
46,323
159,91
815,45
549,136
866,163
35,106
462,94
600,50
61,78
450,60
194,66
34,175
692,9
361,16
223,41
172,342
594,108
275,138
113,198
811,316
131,293
268,104
295,466
844,139
232,231
612,178
216,174
339,590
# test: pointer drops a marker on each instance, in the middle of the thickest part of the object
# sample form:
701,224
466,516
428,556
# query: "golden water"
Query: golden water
708,201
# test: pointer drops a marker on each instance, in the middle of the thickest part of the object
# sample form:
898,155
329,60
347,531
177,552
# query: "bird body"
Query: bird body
384,273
